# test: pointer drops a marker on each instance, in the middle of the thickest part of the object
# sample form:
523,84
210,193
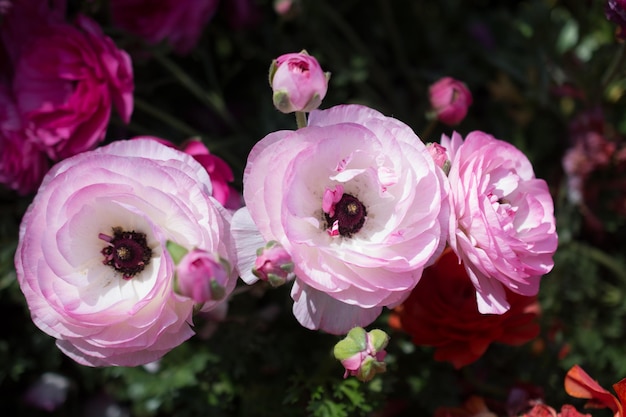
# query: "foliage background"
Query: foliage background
382,53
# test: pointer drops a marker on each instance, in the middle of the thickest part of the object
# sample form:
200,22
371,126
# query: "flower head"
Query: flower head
66,79
92,259
442,312
357,202
362,353
449,99
298,82
579,384
502,226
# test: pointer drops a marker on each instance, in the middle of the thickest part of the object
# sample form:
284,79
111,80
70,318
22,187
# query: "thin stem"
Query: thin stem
429,130
601,258
212,100
165,117
613,68
301,119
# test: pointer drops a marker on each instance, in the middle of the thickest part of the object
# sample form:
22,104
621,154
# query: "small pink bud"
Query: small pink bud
202,276
362,353
273,264
298,82
450,99
440,156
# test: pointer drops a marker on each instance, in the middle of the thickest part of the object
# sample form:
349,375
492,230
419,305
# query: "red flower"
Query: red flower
442,312
580,385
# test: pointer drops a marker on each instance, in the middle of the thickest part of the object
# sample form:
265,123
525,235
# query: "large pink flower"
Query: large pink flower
358,203
91,258
503,225
180,22
66,78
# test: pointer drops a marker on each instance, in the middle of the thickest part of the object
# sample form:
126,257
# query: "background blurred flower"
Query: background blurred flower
91,260
22,163
442,312
298,82
65,78
367,250
180,23
449,100
579,384
503,226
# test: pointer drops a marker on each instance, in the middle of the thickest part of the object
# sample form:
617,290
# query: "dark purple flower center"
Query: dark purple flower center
349,214
126,252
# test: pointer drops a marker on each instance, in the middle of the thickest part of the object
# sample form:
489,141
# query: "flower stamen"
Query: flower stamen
126,252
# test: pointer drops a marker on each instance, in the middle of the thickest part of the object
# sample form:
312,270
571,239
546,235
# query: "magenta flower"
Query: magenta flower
66,78
298,82
203,277
92,259
22,163
179,22
503,226
358,203
449,99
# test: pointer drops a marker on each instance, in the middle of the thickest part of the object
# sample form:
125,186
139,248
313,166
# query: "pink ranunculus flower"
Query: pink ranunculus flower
502,225
298,82
66,78
358,203
450,100
179,22
92,260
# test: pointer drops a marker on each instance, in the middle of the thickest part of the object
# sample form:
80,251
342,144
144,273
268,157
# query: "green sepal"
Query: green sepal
176,251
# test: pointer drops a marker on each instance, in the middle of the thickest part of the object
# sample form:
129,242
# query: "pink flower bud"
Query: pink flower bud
273,264
362,353
450,99
298,82
440,156
202,276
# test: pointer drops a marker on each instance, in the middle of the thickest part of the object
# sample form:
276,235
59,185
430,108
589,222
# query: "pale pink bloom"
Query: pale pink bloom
66,78
388,223
91,258
439,155
502,225
179,22
450,100
203,277
298,82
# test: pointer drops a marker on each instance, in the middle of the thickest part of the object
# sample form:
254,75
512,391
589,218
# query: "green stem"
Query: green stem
301,119
212,100
165,117
616,63
601,258
428,131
